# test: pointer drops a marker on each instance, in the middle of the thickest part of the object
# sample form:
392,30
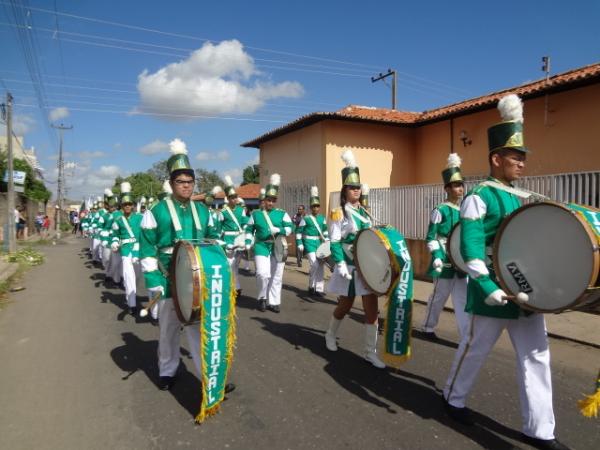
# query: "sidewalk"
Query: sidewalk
575,326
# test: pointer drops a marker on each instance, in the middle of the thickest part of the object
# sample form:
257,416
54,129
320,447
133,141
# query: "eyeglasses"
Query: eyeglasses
354,188
182,182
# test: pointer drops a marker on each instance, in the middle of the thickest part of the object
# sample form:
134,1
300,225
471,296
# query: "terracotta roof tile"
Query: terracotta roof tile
247,191
558,82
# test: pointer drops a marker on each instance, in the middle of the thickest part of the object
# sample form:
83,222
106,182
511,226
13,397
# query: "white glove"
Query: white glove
248,246
135,260
438,264
275,230
155,290
301,247
114,246
343,271
229,247
496,298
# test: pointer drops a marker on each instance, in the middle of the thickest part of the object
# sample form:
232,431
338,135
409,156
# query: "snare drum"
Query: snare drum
550,251
453,249
280,248
323,253
375,258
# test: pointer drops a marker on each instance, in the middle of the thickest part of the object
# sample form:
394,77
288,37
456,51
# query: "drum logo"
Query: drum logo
519,278
216,302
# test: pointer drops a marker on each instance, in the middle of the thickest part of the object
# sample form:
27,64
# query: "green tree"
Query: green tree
251,175
206,180
159,170
142,184
34,188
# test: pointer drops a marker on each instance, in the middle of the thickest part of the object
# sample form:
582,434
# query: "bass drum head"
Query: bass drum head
373,261
544,250
453,248
185,280
323,250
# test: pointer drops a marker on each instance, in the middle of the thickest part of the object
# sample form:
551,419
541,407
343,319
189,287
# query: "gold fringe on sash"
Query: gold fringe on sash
590,405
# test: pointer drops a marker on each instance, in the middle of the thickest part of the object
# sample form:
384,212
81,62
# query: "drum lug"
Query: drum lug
596,248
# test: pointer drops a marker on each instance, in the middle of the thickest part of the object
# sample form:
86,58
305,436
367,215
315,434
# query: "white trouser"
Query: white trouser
316,273
96,250
169,352
529,339
442,289
115,266
131,273
106,261
269,276
234,263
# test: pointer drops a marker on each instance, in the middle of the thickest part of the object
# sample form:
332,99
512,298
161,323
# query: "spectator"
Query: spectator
75,223
45,226
20,223
39,220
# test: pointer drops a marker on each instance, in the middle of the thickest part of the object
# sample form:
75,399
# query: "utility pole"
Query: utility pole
546,70
11,229
381,76
61,174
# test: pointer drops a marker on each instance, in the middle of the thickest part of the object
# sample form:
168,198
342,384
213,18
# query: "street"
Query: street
78,372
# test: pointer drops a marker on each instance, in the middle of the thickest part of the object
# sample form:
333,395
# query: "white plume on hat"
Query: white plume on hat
143,200
108,192
99,198
364,189
125,187
454,160
178,147
348,158
166,187
151,199
314,191
511,108
228,180
241,201
275,179
263,191
216,190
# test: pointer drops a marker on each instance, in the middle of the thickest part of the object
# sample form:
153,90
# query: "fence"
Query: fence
408,207
293,194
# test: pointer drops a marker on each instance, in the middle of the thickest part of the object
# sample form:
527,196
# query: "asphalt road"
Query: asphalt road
79,373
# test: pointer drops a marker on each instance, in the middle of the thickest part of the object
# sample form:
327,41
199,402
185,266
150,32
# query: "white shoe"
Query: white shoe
374,359
330,335
371,346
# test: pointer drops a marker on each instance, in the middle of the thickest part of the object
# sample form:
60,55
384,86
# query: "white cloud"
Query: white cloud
214,80
58,113
235,174
22,124
154,147
222,155
88,155
84,179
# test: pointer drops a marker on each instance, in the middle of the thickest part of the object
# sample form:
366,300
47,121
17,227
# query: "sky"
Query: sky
132,76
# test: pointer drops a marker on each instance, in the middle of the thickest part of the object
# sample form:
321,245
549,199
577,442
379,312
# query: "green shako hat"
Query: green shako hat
209,196
314,196
126,193
364,195
261,196
166,190
110,198
179,159
229,189
273,186
350,173
509,132
452,173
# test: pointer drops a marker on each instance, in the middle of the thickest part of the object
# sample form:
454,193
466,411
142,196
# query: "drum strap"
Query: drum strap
195,216
268,219
231,213
316,224
522,193
359,217
127,227
173,214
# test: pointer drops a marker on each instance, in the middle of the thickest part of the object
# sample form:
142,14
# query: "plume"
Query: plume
364,189
262,191
454,160
178,147
125,187
166,187
275,179
348,158
99,198
143,200
216,190
108,192
228,181
511,108
314,191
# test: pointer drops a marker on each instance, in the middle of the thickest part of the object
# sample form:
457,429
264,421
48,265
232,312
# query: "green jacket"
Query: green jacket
481,213
443,218
126,232
307,232
229,227
158,236
343,229
258,227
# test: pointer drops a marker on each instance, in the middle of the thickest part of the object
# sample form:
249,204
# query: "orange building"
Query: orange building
399,148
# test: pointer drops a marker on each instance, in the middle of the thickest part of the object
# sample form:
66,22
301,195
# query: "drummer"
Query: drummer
173,218
346,222
310,233
481,212
447,280
233,222
266,225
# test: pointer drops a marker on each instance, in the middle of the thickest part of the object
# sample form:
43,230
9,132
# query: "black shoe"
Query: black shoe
429,336
166,383
262,305
133,310
275,308
239,292
311,291
460,415
319,294
544,444
229,387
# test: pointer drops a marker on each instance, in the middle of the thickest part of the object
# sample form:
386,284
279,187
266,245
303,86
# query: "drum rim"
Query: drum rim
190,249
449,253
395,271
595,256
285,246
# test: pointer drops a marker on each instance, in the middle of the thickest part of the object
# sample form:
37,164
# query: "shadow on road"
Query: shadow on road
303,294
388,388
139,355
440,341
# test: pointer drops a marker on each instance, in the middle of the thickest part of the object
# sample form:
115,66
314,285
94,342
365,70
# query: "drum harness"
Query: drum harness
316,224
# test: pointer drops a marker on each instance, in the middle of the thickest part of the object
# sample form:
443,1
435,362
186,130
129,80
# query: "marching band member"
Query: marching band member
310,233
95,227
346,222
104,233
209,201
126,240
266,225
233,223
172,219
481,212
447,280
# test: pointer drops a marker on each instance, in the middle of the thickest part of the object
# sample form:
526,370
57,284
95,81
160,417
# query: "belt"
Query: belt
128,241
312,238
167,250
232,233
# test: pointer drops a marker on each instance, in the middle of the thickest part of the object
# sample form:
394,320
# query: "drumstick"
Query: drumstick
521,297
153,301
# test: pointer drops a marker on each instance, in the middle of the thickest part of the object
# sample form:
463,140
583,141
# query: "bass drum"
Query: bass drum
453,249
550,251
